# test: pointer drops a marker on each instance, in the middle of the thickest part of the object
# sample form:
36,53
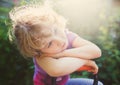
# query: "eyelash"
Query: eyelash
49,44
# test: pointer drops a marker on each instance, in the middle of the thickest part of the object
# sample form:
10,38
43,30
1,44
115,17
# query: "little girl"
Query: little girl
39,33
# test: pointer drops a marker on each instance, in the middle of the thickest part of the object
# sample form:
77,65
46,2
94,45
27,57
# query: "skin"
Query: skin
64,66
59,61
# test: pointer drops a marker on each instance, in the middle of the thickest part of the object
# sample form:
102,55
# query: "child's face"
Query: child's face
56,43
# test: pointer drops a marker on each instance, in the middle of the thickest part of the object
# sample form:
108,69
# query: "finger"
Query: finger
93,71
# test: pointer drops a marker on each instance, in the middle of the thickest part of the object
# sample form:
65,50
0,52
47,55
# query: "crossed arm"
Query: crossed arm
82,49
61,66
70,60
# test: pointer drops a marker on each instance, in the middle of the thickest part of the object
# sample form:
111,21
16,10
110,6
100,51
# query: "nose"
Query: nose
60,42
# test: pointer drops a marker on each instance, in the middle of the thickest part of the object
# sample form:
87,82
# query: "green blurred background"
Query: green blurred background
95,20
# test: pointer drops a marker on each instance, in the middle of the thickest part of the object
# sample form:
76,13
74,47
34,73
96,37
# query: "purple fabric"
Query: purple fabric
42,78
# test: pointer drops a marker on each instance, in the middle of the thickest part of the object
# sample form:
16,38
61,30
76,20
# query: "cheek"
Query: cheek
55,50
51,50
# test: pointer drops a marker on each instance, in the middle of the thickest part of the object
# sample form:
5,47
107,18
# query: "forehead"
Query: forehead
50,33
42,31
47,33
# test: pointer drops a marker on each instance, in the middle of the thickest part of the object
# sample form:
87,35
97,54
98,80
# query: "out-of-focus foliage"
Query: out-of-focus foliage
15,70
109,41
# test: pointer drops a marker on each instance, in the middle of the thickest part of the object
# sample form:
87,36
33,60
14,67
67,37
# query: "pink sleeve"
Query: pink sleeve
71,36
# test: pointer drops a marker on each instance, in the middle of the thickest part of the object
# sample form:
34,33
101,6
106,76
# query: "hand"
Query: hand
93,65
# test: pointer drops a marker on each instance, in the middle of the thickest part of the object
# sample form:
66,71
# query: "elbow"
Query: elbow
55,72
98,53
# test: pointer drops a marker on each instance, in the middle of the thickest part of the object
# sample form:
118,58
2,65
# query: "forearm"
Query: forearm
62,66
84,52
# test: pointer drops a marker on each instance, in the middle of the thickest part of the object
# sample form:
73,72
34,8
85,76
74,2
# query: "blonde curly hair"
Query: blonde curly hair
32,26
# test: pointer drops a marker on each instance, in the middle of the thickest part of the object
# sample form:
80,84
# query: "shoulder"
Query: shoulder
71,36
79,41
70,33
76,40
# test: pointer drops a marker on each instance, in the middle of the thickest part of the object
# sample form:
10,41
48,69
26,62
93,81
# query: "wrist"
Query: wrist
88,62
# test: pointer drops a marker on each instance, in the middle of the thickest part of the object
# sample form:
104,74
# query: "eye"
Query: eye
55,31
49,44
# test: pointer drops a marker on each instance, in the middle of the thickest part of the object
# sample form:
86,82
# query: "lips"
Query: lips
64,46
